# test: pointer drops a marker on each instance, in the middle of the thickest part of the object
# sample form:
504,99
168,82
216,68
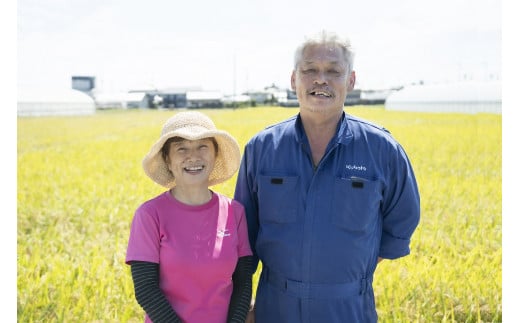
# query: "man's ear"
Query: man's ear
351,81
293,80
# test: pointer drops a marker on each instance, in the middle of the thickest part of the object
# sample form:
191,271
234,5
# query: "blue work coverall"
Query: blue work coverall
319,231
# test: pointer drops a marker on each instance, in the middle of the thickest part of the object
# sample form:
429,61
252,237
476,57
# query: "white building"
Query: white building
461,97
46,102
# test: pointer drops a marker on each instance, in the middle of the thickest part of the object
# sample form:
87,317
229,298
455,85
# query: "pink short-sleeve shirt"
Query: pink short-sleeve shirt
196,247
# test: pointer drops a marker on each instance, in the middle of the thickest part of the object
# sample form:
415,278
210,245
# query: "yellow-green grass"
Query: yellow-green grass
80,179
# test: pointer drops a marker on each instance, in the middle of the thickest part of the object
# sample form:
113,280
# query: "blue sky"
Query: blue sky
233,46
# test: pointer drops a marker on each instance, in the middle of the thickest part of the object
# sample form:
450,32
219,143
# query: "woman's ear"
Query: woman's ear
167,161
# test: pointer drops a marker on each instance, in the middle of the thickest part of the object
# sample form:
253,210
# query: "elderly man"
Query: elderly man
327,196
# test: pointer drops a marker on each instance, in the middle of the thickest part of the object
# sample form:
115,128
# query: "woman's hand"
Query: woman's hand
250,318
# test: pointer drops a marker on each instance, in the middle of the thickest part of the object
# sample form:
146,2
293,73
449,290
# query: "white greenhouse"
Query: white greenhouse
121,100
463,97
50,102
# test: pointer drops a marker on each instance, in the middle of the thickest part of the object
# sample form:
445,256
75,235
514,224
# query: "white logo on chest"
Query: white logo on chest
223,233
356,167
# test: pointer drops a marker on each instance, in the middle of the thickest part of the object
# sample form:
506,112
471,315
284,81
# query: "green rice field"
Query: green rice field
79,180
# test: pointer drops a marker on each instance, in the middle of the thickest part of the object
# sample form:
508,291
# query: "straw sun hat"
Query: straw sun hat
193,125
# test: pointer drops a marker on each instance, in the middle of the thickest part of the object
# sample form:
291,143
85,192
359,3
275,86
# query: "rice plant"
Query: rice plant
79,181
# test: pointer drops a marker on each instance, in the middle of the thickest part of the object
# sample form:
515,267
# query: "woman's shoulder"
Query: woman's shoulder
154,203
236,205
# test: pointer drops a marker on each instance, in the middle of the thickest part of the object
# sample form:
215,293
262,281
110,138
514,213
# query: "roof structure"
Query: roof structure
32,102
462,97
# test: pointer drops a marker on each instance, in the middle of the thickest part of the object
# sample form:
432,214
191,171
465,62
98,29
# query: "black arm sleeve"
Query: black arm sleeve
148,294
242,290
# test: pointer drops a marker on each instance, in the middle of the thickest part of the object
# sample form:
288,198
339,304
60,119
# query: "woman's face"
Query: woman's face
191,161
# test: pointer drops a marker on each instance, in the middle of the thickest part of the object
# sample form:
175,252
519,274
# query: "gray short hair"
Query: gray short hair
327,38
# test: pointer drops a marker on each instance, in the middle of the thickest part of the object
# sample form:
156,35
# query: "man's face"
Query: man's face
321,79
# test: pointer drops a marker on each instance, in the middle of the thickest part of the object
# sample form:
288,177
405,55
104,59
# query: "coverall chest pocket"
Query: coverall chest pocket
356,203
277,198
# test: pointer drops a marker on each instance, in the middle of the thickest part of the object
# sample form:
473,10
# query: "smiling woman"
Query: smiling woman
190,244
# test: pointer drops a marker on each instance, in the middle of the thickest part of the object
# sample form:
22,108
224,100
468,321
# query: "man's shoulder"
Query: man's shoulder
275,129
284,123
366,124
368,130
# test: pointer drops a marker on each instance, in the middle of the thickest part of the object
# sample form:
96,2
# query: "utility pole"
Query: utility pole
234,79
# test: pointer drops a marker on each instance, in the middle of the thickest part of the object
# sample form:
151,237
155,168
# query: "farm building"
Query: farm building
204,99
189,98
289,100
237,100
122,100
142,99
260,97
33,102
271,95
369,97
85,84
185,98
462,97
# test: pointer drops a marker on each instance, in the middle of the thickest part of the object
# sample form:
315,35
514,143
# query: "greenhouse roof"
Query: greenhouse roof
449,92
53,95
